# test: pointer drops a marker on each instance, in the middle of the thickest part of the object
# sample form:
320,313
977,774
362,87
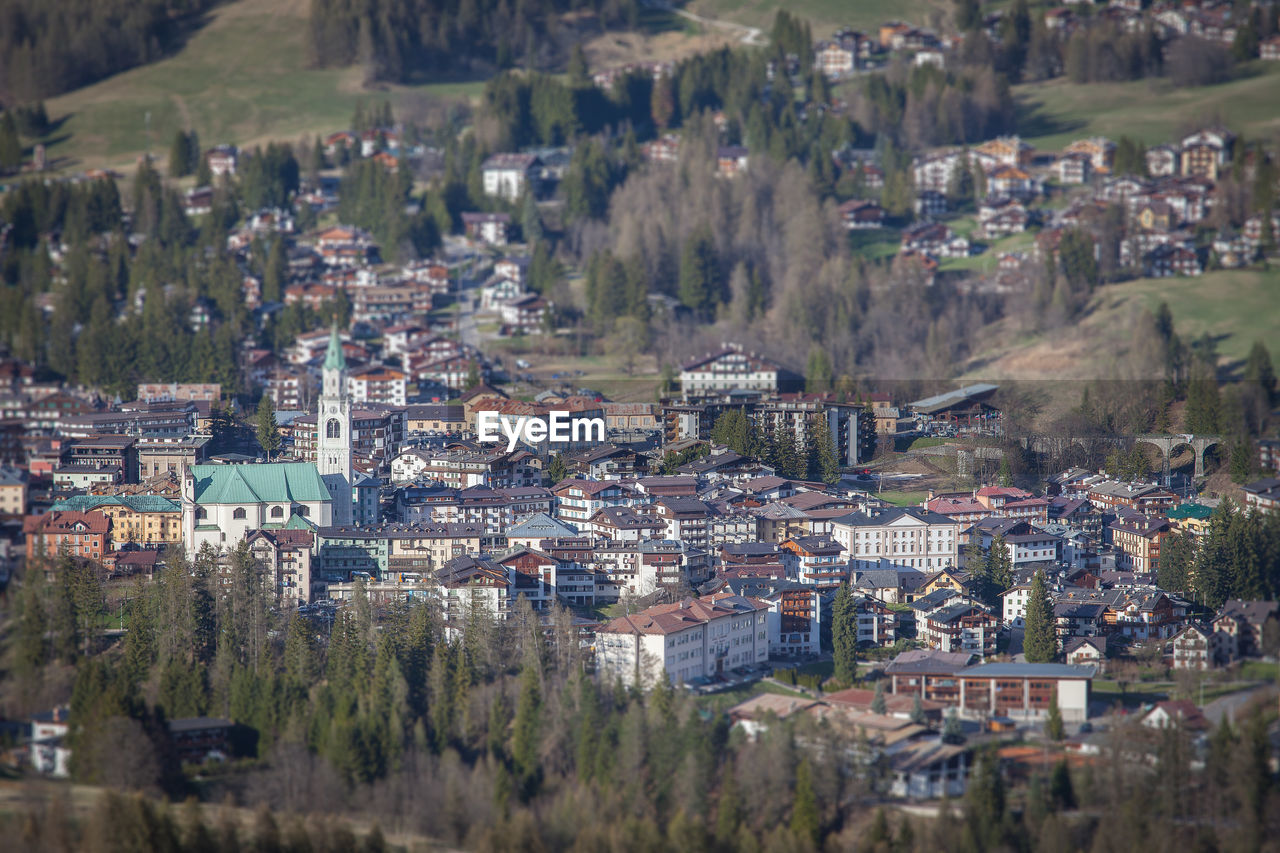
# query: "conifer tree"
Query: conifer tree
1040,643
268,431
1053,728
805,821
844,635
877,698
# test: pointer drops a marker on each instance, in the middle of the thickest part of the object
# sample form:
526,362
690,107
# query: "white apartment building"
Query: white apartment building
686,640
507,176
729,369
898,538
382,386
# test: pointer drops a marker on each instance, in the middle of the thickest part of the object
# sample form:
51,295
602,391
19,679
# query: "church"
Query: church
221,504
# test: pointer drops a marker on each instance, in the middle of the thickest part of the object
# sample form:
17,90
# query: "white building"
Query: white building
731,368
507,176
686,640
898,538
222,503
384,386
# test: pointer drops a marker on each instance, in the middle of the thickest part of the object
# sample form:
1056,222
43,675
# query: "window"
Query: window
333,429
277,512
201,513
239,513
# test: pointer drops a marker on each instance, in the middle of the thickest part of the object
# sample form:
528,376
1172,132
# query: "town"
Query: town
770,447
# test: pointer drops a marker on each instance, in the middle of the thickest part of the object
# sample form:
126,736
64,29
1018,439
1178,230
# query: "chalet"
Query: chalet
930,203
859,214
836,58
1256,229
526,315
1087,651
931,237
508,176
491,228
1180,713
1155,215
960,627
1162,160
1012,181
1170,260
664,149
1074,169
1146,498
1205,152
1264,494
1199,647
1007,151
1248,624
222,160
731,160
816,561
1099,150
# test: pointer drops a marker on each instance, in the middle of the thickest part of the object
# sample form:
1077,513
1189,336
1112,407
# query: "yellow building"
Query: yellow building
146,520
13,491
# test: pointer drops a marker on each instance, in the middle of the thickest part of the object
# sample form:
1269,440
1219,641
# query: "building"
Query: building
13,490
82,534
508,176
146,521
491,228
688,640
1264,494
1138,538
221,504
1146,498
1024,690
730,368
898,538
383,386
1205,152
287,555
333,433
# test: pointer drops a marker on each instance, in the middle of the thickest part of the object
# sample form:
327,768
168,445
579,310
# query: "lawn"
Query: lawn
1234,307
902,498
825,16
1054,113
242,78
721,702
1256,670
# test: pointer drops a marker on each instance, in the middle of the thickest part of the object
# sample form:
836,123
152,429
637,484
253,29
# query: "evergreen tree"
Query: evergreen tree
266,428
1053,728
1258,368
275,273
556,470
844,635
700,285
1203,401
917,710
823,464
1000,567
877,698
1061,791
1177,552
10,143
526,730
531,222
805,820
1040,642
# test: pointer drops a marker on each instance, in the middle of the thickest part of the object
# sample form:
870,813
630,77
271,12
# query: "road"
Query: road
749,35
1231,704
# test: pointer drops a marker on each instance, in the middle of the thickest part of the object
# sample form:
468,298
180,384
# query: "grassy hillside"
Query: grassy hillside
242,78
824,15
1053,114
1235,307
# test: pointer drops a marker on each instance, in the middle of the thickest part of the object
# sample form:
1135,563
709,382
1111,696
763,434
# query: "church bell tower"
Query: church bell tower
333,430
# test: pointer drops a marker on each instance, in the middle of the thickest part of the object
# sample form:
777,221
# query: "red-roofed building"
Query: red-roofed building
84,534
695,638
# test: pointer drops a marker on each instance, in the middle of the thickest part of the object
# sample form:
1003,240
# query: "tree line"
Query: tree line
403,40
50,48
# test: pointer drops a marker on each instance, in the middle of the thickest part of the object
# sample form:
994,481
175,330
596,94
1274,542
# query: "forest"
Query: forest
49,48
404,40
499,725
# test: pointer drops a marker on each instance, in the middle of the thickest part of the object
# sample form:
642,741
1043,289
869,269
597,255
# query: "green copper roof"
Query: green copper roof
137,503
1189,510
268,482
334,359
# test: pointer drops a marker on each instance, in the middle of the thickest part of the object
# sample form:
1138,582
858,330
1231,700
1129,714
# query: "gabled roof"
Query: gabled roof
268,482
541,526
